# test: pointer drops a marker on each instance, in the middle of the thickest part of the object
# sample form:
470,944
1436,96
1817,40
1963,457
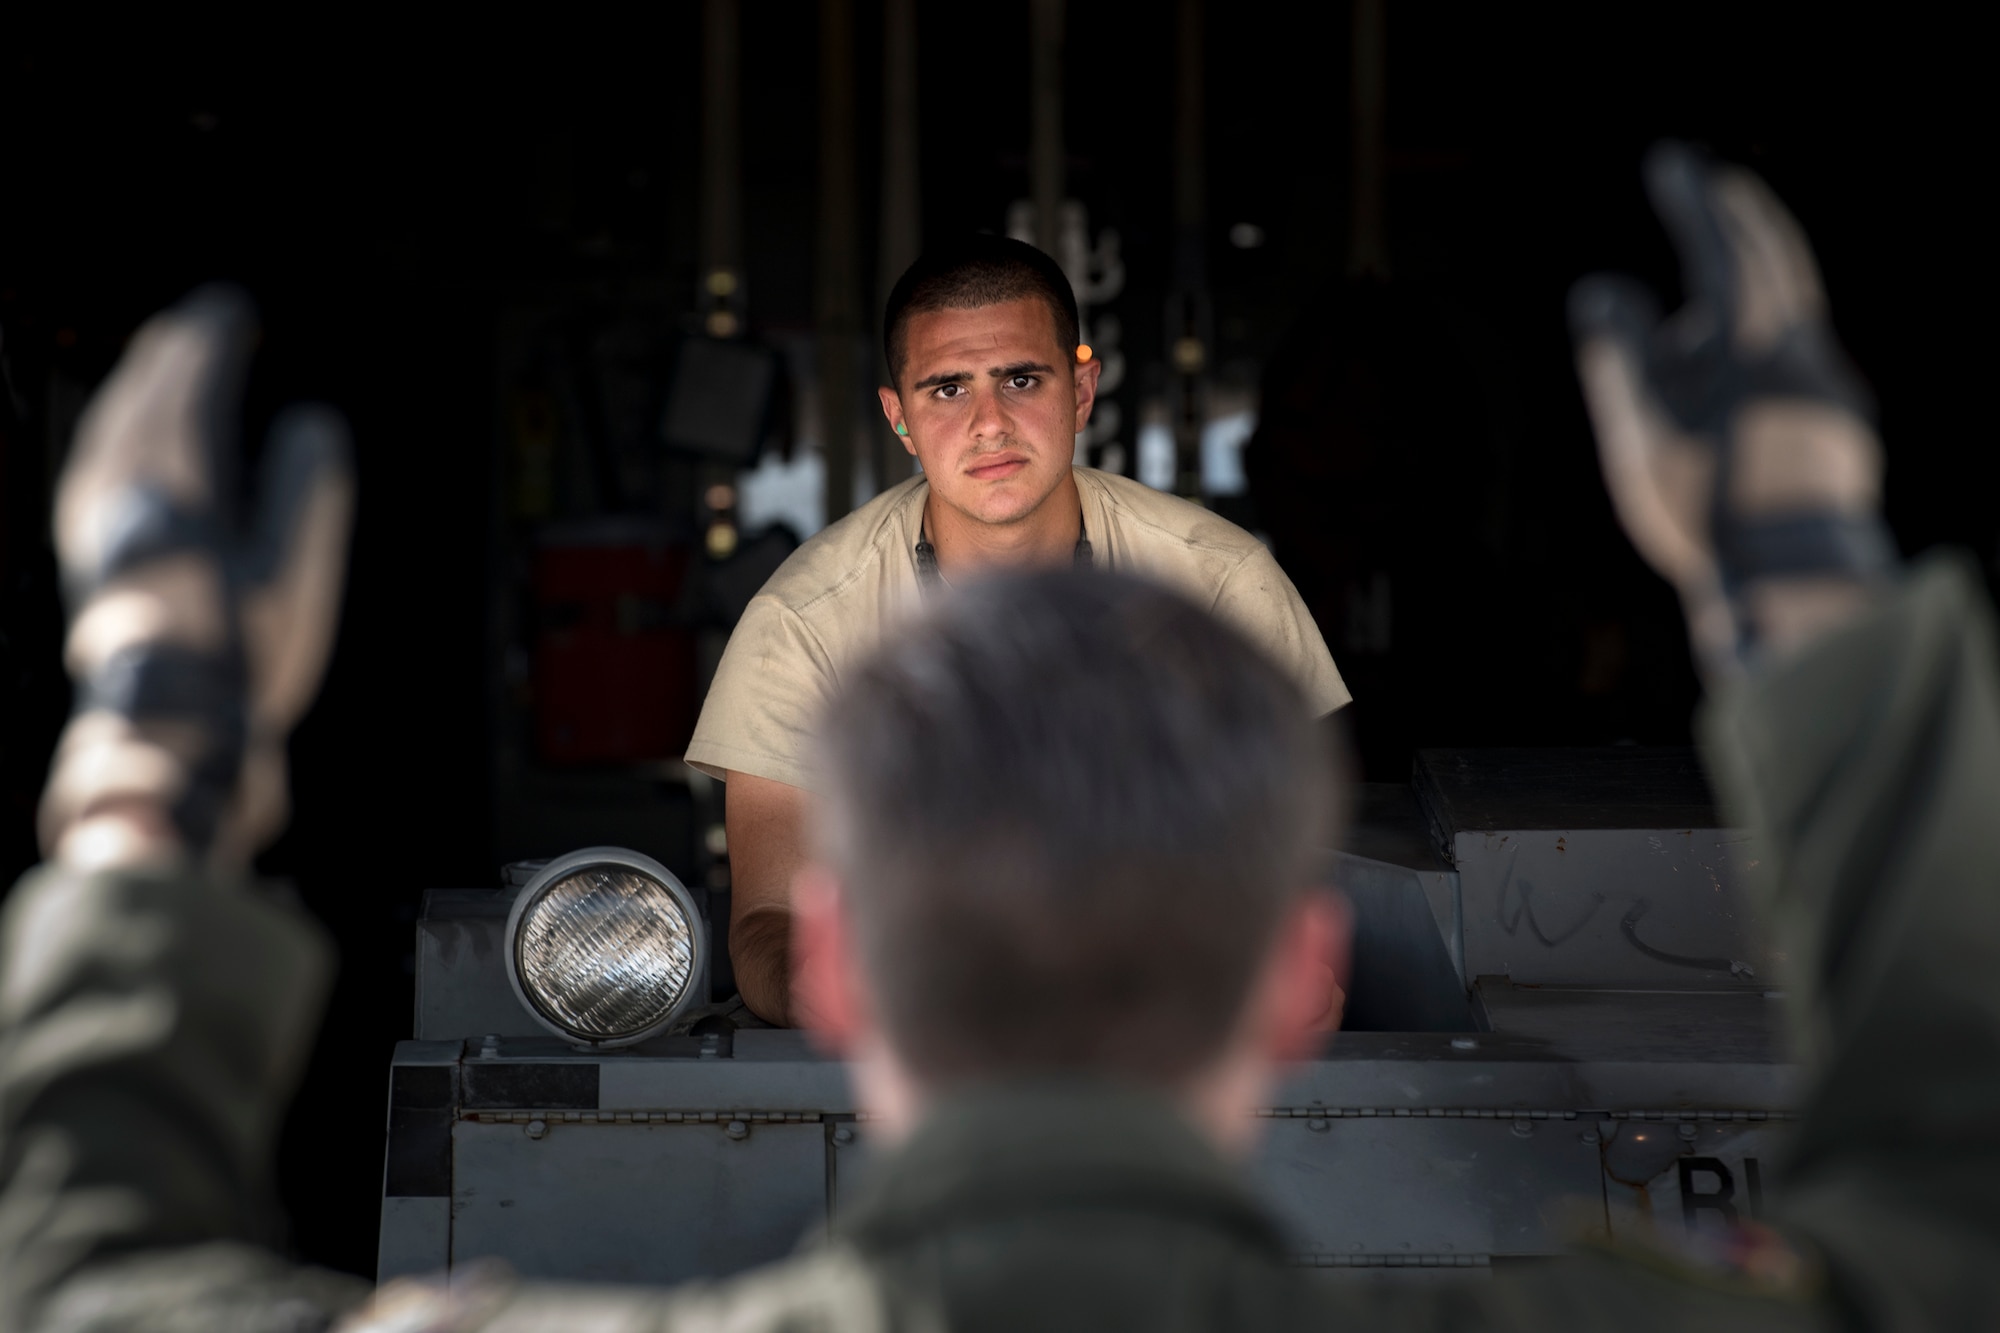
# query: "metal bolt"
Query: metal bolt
736,1129
1688,1130
489,1046
1590,1136
1316,1126
843,1135
1464,1044
538,1129
1524,1129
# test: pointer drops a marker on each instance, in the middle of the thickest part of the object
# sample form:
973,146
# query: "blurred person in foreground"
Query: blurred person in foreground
989,389
1097,805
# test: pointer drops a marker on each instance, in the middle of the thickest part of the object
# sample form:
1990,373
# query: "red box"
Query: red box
614,663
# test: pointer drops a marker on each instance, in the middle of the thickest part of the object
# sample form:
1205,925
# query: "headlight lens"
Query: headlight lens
605,946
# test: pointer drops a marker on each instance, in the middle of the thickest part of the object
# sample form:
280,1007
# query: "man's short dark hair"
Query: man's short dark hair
972,271
1069,810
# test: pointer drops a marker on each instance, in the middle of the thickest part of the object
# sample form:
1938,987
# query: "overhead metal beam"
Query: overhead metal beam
901,238
1045,121
720,293
836,302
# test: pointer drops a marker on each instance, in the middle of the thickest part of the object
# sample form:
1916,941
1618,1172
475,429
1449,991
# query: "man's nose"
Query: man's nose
990,420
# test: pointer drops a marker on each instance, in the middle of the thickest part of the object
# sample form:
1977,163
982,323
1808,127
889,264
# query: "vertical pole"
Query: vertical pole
720,297
1187,335
836,303
1045,127
902,208
1190,171
1367,240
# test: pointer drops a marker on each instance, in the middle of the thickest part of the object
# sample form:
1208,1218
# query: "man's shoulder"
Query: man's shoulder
1139,509
1155,526
847,556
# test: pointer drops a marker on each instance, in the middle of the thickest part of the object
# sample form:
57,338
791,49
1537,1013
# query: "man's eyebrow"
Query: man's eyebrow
996,372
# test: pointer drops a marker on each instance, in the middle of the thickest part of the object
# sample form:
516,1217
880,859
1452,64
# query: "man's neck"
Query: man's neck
1048,536
1217,1100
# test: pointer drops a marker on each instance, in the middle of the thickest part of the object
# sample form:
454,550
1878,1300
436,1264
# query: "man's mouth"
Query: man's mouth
997,467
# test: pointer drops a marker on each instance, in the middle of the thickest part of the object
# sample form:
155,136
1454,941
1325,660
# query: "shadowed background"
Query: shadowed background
484,245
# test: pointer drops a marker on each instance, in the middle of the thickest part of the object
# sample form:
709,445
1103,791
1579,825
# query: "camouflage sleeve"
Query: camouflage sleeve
1869,768
830,1288
152,1029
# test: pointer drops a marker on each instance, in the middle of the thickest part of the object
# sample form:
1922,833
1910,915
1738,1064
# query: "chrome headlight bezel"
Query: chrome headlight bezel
561,869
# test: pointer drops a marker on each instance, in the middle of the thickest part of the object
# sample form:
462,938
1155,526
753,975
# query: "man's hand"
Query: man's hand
1336,1002
196,644
1735,439
766,823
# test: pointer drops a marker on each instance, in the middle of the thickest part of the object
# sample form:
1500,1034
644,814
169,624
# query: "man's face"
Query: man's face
992,405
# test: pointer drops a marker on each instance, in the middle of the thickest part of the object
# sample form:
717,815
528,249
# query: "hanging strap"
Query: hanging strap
927,567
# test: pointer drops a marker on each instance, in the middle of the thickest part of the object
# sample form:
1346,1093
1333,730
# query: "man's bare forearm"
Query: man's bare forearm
766,821
760,950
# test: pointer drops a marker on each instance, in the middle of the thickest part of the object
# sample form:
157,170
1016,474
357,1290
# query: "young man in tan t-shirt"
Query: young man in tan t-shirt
988,395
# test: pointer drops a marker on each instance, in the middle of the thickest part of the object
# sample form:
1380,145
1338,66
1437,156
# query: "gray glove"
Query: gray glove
196,640
1736,440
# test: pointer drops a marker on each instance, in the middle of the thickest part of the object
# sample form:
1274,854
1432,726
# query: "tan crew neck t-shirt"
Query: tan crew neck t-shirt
832,601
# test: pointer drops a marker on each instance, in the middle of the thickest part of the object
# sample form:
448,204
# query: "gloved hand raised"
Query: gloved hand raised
196,640
1736,441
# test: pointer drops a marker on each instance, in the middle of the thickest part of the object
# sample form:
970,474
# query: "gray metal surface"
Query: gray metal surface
850,1151
1610,907
1544,1049
462,986
415,1238
1690,1178
1746,1029
624,1202
1420,1149
1623,787
1359,1192
1406,943
1420,1074
1604,868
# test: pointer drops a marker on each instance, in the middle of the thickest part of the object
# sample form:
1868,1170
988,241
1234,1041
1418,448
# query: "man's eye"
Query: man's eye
1021,382
950,390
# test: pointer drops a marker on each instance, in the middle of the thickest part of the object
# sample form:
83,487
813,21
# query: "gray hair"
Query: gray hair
1069,810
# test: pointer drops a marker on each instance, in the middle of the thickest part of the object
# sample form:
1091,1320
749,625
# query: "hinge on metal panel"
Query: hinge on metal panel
1407,1113
1390,1260
1748,1116
522,1117
1503,1113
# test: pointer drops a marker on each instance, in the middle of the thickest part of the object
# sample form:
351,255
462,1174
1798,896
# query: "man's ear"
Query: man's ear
1303,989
1086,390
827,999
892,408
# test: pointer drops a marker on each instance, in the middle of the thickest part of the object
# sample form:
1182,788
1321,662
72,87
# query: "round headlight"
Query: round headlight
605,947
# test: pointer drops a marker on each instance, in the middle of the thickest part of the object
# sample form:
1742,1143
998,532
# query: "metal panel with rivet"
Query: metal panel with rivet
1480,1109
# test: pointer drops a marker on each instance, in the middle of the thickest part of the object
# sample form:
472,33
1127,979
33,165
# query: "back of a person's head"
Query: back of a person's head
1069,811
977,269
